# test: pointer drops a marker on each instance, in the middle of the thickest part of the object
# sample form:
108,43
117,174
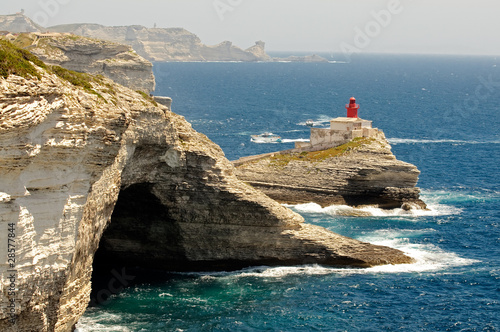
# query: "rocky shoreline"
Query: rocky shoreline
362,172
83,158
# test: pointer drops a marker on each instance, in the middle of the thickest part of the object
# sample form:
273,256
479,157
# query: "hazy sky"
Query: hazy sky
397,26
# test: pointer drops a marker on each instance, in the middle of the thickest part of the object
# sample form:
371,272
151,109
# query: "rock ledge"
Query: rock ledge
365,173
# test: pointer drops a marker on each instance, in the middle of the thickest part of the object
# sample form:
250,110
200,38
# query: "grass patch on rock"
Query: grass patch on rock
20,62
147,97
23,40
281,160
77,79
16,61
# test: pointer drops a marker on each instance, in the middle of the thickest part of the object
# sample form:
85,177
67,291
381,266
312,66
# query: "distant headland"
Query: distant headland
156,44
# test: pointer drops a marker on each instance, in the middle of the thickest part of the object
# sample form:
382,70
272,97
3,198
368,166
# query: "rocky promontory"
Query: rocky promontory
18,23
361,172
86,163
167,44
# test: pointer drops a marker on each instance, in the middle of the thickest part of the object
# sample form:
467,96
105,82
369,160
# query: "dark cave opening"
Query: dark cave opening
141,244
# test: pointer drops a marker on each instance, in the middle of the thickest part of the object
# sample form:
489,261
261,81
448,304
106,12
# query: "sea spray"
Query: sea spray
434,208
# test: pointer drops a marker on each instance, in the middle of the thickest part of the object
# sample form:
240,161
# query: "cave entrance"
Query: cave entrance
140,244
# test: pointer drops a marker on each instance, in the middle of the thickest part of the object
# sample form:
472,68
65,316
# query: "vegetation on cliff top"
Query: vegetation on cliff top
147,97
16,61
77,79
281,160
23,40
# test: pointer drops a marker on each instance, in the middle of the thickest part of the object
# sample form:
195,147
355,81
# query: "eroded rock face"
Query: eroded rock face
119,62
367,175
171,44
70,159
157,44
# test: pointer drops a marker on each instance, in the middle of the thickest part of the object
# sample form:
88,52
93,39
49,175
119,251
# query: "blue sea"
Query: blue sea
441,113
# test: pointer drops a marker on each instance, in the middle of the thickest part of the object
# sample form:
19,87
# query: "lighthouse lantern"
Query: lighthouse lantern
352,108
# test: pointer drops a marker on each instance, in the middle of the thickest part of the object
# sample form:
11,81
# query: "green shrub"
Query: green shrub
16,61
147,97
23,40
281,160
77,79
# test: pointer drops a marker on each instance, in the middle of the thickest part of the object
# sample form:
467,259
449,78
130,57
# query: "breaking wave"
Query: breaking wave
371,211
283,140
102,321
439,203
433,141
428,258
286,140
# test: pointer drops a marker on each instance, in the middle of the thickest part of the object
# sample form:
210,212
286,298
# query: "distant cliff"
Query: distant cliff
18,23
86,163
361,172
157,44
171,44
117,61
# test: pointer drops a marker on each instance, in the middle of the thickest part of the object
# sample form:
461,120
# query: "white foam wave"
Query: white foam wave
262,142
292,131
283,271
434,209
265,272
442,196
103,322
428,257
430,141
286,140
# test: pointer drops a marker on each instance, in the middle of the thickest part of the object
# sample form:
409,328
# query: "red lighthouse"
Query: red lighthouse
352,108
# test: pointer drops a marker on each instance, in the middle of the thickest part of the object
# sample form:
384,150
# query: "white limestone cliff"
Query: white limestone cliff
169,44
18,23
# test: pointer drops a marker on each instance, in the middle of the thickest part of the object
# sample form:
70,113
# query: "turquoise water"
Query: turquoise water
439,113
